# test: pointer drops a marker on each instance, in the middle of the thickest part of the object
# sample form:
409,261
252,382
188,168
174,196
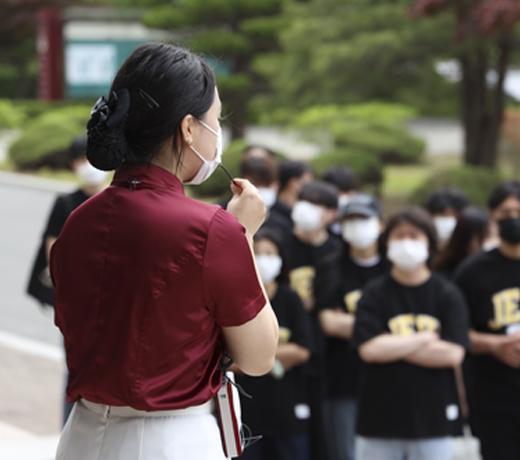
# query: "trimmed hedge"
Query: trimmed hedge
11,116
367,166
373,128
476,182
47,135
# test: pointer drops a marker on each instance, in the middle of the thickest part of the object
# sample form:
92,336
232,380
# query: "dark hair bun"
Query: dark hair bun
107,146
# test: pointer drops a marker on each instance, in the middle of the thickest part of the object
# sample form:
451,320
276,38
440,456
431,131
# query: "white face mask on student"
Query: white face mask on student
269,267
208,167
89,175
445,227
268,195
408,254
361,233
307,216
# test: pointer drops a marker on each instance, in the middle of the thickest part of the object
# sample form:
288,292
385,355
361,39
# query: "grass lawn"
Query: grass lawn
401,181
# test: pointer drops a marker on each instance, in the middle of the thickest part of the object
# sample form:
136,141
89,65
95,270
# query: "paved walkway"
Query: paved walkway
31,385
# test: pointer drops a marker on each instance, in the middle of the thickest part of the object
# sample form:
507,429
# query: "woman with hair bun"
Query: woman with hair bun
152,288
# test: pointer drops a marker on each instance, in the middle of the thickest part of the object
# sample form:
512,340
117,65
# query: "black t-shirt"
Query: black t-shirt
491,284
279,406
304,262
40,285
346,279
279,219
61,210
399,399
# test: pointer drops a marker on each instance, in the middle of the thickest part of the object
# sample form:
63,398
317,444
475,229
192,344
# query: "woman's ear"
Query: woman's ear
186,129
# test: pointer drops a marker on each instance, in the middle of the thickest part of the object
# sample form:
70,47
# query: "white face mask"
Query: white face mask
307,216
408,254
361,233
207,168
89,175
269,267
268,195
445,227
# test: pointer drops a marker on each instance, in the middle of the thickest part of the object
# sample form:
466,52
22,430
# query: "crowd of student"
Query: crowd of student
379,315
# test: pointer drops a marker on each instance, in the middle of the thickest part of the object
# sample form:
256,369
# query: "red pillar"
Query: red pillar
50,54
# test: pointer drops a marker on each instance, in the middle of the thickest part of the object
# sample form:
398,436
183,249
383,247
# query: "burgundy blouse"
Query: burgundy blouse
145,278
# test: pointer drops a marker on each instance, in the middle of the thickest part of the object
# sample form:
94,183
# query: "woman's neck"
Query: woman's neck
364,253
511,251
165,160
287,197
414,277
316,238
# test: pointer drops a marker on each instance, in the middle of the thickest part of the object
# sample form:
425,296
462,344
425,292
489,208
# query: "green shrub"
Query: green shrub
10,115
48,134
367,166
374,128
33,108
475,182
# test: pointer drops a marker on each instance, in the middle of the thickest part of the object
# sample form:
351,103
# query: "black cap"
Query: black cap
360,204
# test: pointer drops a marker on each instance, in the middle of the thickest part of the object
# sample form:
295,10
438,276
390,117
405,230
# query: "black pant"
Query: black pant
499,435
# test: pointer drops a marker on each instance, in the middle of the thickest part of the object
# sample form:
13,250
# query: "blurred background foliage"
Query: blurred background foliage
347,75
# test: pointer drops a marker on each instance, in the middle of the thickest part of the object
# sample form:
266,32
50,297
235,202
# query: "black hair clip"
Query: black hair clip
152,103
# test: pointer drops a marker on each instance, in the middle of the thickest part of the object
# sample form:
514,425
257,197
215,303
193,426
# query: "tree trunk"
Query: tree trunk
238,117
473,101
483,107
496,113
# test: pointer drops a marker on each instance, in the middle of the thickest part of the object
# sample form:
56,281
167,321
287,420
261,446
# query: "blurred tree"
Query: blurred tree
233,32
18,57
484,38
349,51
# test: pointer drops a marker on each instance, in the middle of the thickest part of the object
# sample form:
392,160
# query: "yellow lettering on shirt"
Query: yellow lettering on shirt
427,323
402,325
302,280
506,305
351,300
284,335
408,324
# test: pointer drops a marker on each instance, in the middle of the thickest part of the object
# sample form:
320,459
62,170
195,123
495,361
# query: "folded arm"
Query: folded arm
438,354
336,323
387,348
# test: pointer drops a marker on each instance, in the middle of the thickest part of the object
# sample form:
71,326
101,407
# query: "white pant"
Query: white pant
98,432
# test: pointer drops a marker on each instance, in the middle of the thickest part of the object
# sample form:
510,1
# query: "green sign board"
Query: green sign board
90,65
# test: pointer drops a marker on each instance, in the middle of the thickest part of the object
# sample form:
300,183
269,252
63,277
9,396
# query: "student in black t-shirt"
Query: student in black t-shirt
279,410
262,172
343,279
348,185
491,284
411,328
292,176
310,242
468,238
309,246
445,206
91,181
